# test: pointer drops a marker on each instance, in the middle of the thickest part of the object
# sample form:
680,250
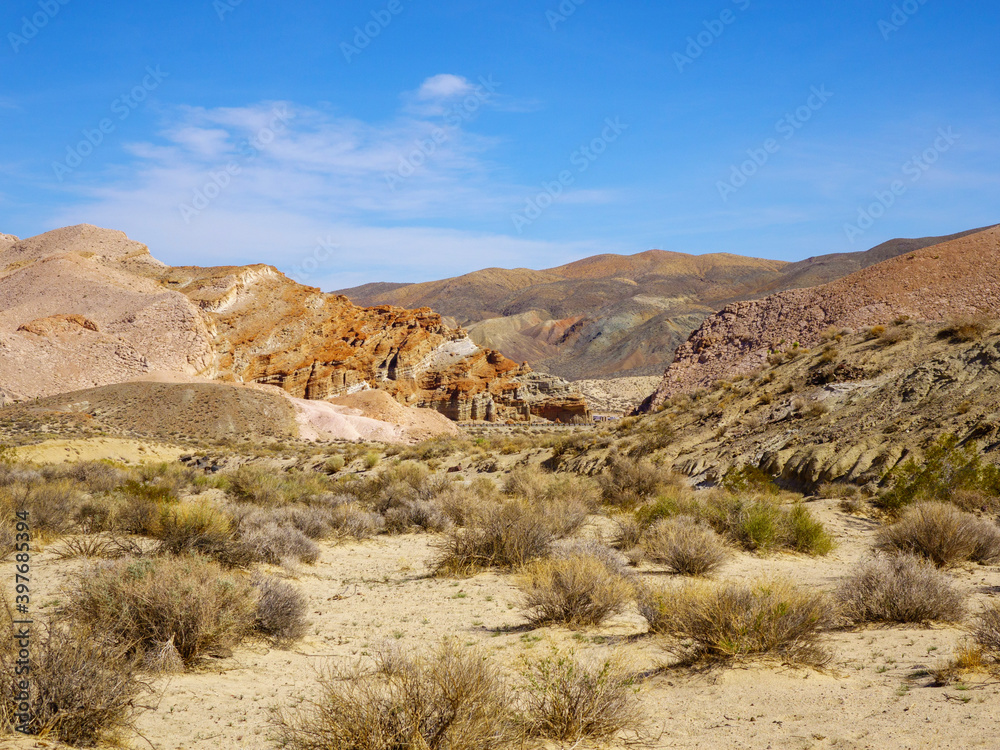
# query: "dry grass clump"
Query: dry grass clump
145,603
568,700
507,535
766,618
899,588
455,699
83,686
966,328
685,545
281,609
612,559
942,534
578,590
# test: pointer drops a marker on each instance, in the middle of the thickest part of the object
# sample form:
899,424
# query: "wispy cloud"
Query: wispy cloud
270,181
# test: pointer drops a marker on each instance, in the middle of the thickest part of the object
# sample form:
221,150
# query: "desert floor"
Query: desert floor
875,692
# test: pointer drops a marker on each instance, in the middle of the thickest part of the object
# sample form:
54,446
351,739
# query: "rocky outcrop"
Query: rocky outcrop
83,307
959,277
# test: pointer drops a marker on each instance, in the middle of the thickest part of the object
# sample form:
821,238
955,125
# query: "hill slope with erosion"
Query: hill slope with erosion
83,307
958,277
612,315
849,410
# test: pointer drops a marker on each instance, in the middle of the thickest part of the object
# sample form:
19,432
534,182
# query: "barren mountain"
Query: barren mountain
83,307
612,315
954,278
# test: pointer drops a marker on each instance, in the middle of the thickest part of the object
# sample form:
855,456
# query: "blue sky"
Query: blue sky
405,140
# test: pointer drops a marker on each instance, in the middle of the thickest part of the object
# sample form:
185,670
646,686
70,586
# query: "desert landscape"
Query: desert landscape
788,540
500,375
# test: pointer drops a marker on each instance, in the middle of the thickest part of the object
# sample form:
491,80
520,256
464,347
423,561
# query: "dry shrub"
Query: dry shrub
568,700
253,484
772,618
52,505
612,559
685,545
194,527
507,535
894,335
966,328
281,609
268,542
899,588
83,686
455,699
97,545
461,503
627,483
986,630
97,476
578,591
537,486
351,520
146,603
943,534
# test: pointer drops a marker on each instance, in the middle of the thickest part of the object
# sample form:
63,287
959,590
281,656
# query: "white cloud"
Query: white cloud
274,181
444,86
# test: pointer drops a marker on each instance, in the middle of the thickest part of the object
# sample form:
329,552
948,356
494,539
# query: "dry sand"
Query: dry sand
365,594
95,449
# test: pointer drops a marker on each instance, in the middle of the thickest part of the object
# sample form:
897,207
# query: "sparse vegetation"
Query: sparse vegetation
967,328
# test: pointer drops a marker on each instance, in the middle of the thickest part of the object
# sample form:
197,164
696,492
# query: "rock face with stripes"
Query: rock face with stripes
84,306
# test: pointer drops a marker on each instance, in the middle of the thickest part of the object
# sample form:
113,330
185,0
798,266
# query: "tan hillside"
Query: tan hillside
83,307
612,315
959,277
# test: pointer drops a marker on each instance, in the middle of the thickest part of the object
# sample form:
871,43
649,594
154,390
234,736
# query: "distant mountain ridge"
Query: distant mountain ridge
614,315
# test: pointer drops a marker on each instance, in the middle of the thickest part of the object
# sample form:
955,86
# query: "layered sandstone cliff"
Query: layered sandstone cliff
83,307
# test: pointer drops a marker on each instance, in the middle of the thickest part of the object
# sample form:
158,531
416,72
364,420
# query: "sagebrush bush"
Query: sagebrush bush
52,505
83,685
772,618
281,609
568,700
507,535
685,546
578,590
268,542
966,328
146,603
899,588
455,699
943,534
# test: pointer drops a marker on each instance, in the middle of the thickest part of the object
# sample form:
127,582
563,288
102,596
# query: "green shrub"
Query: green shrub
947,468
749,479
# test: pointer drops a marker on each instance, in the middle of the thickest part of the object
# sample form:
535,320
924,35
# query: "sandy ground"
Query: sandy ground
365,594
94,449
